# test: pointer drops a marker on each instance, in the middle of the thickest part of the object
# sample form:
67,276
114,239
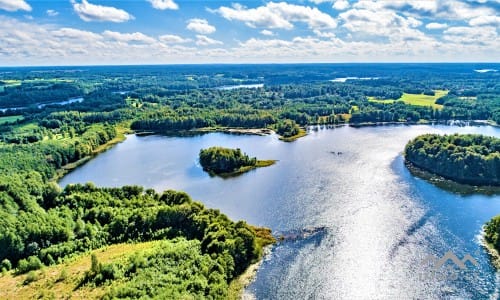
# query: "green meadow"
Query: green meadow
416,99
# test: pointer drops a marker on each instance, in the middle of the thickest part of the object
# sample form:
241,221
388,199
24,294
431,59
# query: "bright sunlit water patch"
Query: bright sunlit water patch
381,222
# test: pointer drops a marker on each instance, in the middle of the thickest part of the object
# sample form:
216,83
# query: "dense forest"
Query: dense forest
168,99
226,161
44,132
52,225
465,158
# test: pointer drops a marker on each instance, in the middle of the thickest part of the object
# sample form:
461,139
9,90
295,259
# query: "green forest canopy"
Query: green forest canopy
220,160
466,158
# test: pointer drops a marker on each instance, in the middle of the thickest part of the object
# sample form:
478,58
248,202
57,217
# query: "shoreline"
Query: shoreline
449,184
302,133
242,170
426,122
238,285
492,252
234,130
67,168
205,130
265,241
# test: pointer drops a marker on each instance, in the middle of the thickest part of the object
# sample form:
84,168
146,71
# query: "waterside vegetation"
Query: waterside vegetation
226,162
465,158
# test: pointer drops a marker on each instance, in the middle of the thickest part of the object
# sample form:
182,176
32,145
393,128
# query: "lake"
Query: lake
381,222
240,86
42,105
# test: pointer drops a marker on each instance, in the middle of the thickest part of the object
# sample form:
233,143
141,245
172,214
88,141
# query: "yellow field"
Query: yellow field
60,281
416,99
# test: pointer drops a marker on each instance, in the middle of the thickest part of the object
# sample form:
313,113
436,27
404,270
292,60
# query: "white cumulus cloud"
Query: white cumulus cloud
51,13
278,15
92,12
337,4
136,37
267,32
200,26
173,39
203,40
435,26
164,4
72,33
485,20
341,4
14,5
472,35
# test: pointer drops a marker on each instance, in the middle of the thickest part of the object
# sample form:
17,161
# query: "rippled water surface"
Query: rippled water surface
381,222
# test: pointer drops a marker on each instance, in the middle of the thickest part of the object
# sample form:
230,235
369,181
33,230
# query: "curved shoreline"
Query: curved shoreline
67,168
302,133
492,251
449,184
237,287
242,170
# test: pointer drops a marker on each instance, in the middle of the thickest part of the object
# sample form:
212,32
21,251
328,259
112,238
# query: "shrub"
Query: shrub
32,276
6,264
30,264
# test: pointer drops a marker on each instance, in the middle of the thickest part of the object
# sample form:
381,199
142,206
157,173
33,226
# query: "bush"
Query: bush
30,264
6,264
287,128
32,276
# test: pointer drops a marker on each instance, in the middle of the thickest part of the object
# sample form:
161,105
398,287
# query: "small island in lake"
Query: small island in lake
465,158
228,162
289,131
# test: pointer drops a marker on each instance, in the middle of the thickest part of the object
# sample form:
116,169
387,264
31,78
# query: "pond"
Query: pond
381,223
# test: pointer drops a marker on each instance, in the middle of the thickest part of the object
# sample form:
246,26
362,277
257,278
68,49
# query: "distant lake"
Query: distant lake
240,86
381,222
344,79
42,105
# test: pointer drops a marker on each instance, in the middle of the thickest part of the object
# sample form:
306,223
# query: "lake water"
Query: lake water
381,222
344,79
66,102
240,86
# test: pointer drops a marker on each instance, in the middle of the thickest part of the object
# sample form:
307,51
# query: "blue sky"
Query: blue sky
79,32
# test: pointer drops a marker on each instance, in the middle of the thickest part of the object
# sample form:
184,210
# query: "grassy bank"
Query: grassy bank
259,164
64,280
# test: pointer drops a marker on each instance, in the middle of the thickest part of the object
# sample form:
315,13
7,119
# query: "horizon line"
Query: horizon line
249,63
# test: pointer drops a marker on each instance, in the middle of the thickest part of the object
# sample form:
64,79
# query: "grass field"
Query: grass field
60,281
416,99
10,119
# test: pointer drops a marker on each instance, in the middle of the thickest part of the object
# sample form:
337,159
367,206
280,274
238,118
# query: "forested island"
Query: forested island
228,162
465,158
289,131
